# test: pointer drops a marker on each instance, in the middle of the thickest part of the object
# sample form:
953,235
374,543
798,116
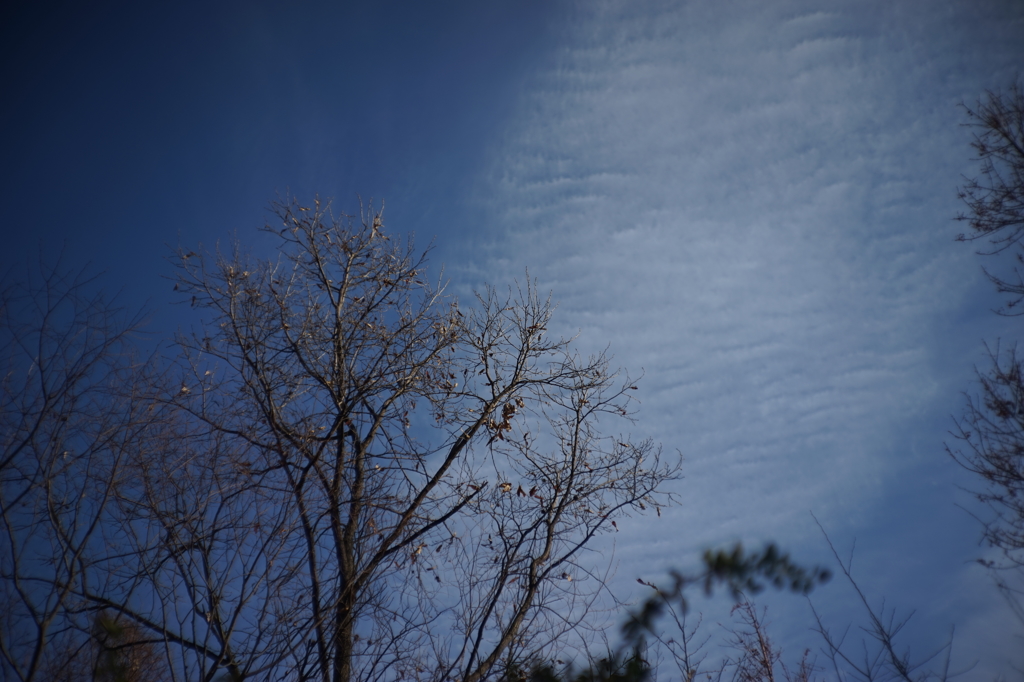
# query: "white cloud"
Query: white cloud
751,201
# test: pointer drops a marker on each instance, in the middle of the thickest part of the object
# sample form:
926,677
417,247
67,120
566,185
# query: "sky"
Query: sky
748,203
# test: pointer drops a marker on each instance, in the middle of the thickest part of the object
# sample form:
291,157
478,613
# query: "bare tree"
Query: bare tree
758,656
70,409
990,433
114,650
877,654
684,645
759,659
123,652
192,566
995,199
363,481
648,644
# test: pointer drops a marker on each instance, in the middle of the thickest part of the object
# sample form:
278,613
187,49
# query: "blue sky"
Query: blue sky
751,202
